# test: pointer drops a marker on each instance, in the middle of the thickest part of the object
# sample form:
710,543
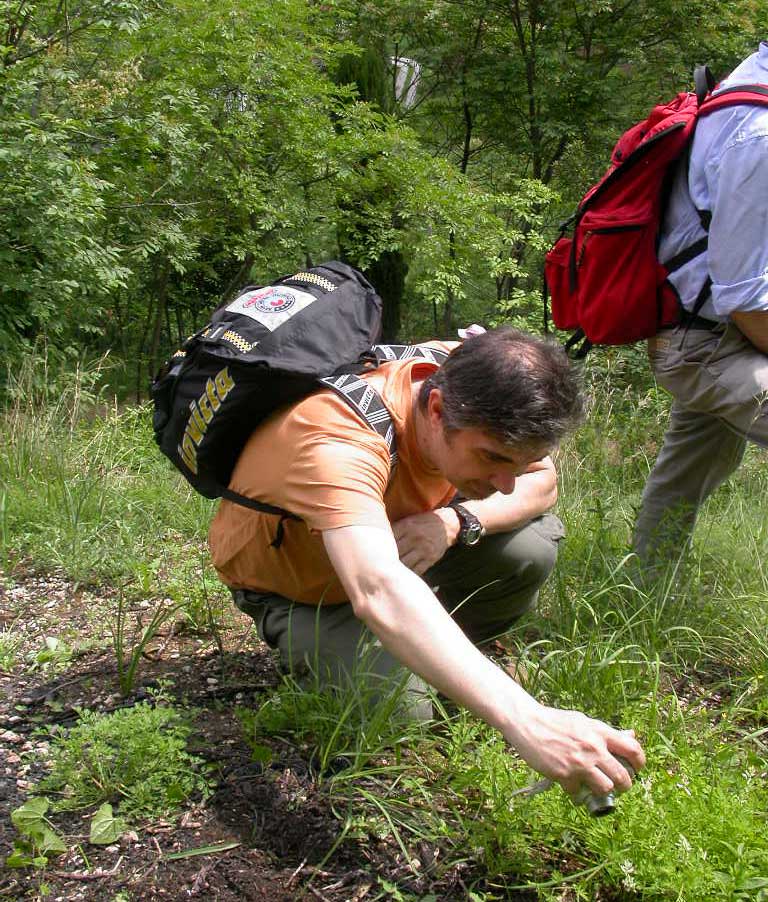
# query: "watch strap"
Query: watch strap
471,530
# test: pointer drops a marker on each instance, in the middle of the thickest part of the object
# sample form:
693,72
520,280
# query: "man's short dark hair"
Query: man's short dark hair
520,389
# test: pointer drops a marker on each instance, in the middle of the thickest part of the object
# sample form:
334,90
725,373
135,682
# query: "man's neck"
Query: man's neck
421,430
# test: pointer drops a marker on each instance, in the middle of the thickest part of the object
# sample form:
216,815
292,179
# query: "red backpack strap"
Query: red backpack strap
749,94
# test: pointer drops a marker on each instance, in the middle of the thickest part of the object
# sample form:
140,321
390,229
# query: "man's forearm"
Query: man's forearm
411,624
534,494
754,327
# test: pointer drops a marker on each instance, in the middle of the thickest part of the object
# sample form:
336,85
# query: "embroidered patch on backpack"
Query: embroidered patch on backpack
271,306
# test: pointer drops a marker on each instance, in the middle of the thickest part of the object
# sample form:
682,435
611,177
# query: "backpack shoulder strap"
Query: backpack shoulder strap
756,94
385,353
367,402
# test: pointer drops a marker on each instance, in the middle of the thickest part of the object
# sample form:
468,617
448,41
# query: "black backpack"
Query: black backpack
271,346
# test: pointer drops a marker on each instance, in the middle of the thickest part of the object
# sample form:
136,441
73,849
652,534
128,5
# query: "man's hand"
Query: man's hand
577,751
423,539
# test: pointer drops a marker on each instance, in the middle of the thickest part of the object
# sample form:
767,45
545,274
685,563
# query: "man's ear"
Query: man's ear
435,408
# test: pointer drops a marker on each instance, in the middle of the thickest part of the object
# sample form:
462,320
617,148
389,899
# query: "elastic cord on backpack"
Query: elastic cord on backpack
280,533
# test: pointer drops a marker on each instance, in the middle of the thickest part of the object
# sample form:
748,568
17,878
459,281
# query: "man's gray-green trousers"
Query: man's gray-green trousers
485,588
719,381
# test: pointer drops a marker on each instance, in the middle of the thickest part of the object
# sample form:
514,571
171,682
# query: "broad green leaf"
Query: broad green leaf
30,817
48,841
105,827
21,857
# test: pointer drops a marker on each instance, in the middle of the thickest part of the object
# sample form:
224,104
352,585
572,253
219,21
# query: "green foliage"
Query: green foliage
105,758
129,656
10,643
105,827
83,484
344,728
38,840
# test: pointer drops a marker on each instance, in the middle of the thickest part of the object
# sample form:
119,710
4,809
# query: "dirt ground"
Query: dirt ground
277,817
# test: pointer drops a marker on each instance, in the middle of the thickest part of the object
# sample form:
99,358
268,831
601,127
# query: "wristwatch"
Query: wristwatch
471,530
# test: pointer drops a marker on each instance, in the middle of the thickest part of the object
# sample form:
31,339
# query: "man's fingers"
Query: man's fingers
413,561
618,773
623,743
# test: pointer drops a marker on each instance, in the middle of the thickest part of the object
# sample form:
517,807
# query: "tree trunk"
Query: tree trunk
387,275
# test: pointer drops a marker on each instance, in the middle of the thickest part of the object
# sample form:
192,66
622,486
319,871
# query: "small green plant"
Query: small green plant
55,653
39,838
129,657
135,758
347,724
10,644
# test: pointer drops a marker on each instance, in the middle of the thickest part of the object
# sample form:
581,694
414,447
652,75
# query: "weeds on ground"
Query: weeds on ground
344,729
135,758
10,645
129,653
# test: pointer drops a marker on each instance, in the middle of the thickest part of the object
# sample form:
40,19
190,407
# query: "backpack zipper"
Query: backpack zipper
605,230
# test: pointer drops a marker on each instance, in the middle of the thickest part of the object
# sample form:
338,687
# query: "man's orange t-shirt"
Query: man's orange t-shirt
320,461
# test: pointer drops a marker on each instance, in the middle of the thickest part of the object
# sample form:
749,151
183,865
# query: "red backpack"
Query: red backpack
606,281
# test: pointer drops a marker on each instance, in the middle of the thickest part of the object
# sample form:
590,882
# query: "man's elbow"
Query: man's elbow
549,499
373,602
754,327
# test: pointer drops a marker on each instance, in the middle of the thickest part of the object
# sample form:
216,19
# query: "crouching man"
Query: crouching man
415,566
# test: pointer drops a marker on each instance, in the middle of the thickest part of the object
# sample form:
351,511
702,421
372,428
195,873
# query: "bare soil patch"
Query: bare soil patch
276,817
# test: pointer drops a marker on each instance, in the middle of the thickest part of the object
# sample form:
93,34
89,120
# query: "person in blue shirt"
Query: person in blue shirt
715,363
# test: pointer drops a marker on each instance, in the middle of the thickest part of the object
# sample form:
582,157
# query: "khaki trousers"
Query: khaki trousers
485,588
720,385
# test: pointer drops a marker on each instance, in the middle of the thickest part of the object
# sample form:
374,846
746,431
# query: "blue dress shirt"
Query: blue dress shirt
727,175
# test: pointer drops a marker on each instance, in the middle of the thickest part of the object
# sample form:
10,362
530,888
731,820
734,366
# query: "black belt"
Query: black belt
691,321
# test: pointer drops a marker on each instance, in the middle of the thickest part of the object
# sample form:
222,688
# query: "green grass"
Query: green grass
83,489
682,659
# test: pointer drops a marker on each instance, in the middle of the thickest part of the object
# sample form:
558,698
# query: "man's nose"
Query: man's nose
503,482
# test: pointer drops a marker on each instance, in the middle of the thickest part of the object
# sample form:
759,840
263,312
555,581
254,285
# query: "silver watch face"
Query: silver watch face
472,534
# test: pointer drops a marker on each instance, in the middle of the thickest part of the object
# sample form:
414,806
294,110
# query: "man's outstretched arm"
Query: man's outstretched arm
401,610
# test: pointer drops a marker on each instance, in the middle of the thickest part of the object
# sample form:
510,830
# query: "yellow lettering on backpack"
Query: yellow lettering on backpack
201,413
188,453
205,409
201,425
224,383
213,398
194,424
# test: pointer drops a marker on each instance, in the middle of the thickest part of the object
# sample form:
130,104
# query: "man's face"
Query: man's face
479,464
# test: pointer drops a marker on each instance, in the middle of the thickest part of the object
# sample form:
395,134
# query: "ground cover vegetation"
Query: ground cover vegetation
209,768
157,157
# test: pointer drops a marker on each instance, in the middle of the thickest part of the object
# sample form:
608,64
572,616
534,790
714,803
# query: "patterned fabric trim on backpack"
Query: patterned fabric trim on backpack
368,403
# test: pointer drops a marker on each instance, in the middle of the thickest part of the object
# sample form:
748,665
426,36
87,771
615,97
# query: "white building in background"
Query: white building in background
407,74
